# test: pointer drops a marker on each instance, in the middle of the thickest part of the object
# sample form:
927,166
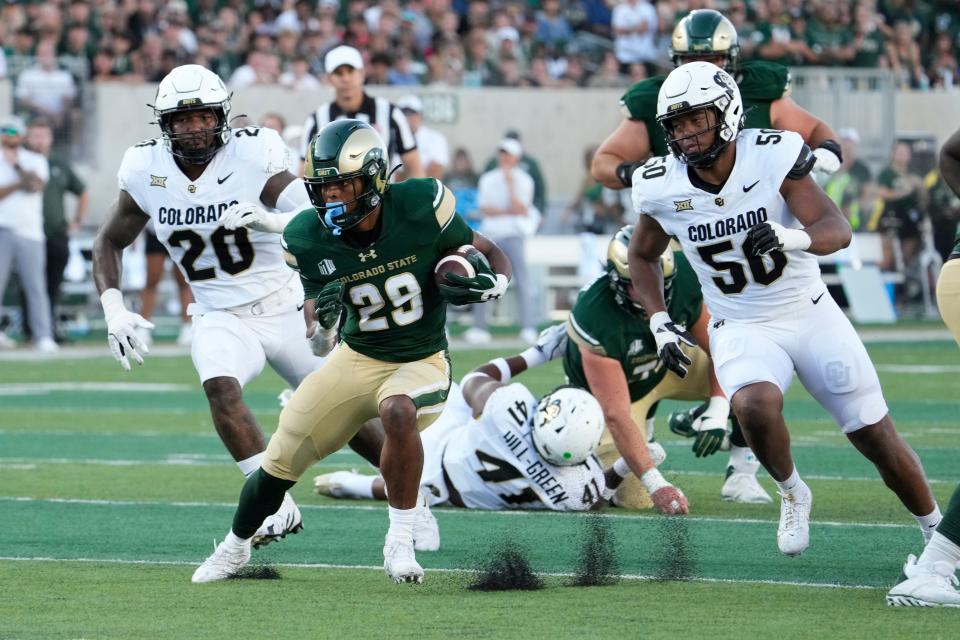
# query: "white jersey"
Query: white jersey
224,268
712,227
493,464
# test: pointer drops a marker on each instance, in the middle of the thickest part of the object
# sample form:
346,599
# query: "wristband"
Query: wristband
653,481
621,468
503,368
533,357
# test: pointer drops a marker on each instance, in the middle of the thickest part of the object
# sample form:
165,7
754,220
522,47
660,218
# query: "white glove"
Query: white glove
122,328
768,236
711,427
669,336
827,161
552,341
253,216
322,340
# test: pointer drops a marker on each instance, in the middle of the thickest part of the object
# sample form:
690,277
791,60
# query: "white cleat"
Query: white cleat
744,488
400,562
286,520
793,534
332,484
925,586
185,337
426,531
225,562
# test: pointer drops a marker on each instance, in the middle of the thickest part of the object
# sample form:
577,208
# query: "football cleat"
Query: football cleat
225,562
793,534
925,585
426,531
332,484
745,489
400,562
681,422
286,520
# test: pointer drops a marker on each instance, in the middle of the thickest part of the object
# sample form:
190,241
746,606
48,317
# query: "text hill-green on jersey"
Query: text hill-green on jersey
760,83
605,328
394,309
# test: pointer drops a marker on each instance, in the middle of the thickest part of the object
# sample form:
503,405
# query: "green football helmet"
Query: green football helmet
618,271
342,151
705,33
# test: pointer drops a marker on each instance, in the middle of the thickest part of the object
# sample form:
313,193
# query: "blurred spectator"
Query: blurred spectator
23,176
595,210
298,77
846,185
608,76
777,41
261,68
634,25
903,57
433,146
944,209
901,191
531,167
942,69
869,42
829,39
44,90
505,200
553,28
462,180
57,228
344,67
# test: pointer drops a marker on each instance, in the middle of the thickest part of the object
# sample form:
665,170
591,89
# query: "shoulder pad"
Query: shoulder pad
140,156
762,81
640,100
263,146
803,165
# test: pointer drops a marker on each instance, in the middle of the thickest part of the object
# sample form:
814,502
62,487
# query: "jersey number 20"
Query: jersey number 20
229,263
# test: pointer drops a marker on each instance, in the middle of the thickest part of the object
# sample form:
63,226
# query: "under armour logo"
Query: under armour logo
363,255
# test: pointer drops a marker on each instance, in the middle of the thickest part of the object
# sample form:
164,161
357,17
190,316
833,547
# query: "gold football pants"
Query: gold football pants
948,296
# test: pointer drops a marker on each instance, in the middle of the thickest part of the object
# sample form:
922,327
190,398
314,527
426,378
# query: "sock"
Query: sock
950,525
401,522
928,523
940,549
743,461
357,485
736,433
233,540
251,464
621,468
261,496
792,483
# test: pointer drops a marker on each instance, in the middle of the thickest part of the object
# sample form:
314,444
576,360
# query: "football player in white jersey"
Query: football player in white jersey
248,302
751,221
495,446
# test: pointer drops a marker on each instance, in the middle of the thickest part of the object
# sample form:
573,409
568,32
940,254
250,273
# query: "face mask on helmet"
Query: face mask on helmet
618,272
184,97
346,173
696,99
705,34
567,426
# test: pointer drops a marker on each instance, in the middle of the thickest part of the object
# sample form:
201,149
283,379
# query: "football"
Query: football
455,262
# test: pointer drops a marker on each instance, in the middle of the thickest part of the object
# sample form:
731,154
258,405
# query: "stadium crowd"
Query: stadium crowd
537,43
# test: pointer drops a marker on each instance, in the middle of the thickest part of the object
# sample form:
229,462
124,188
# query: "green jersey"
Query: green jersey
760,84
603,327
394,309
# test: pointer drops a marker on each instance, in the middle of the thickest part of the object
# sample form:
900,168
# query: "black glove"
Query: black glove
669,336
329,304
485,285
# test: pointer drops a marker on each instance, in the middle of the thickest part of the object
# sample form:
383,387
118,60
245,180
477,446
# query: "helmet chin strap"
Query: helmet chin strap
333,209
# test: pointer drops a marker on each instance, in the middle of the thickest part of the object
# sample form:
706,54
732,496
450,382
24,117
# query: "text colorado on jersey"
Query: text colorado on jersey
726,227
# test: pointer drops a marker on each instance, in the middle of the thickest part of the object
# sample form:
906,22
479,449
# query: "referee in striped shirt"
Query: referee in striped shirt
344,67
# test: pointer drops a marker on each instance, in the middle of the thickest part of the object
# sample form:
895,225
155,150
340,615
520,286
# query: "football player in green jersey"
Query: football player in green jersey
705,34
613,354
368,249
929,581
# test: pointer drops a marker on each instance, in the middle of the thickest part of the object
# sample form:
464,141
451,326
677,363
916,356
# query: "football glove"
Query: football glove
668,499
829,157
122,328
768,236
669,336
329,304
710,428
253,216
485,285
552,342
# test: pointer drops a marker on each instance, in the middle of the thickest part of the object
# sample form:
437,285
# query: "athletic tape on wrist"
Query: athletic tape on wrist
653,481
621,468
533,357
503,368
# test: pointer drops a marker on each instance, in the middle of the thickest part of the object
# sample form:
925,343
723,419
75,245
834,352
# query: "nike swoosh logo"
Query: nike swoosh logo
300,308
224,179
817,299
745,189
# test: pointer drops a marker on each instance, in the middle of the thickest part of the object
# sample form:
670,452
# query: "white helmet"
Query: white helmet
568,426
186,88
694,86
